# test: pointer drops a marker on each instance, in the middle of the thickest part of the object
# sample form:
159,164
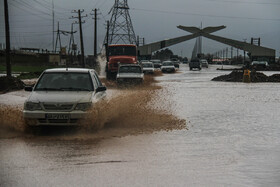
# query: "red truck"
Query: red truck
119,54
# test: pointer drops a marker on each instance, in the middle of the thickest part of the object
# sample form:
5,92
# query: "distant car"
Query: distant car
259,64
176,62
143,61
195,64
185,62
157,63
168,66
148,67
204,63
130,73
62,96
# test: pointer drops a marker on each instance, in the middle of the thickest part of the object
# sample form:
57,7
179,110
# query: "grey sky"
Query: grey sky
31,21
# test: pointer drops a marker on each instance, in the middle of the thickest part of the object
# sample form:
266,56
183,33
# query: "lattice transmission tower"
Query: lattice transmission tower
120,26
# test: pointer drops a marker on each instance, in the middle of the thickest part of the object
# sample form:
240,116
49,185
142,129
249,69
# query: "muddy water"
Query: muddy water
232,139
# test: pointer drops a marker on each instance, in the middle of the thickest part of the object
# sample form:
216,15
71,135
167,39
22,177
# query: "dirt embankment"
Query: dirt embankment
237,76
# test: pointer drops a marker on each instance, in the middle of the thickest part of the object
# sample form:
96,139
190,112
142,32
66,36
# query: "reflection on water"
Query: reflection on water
233,139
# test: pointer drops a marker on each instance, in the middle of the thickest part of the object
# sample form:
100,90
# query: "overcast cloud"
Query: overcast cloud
31,21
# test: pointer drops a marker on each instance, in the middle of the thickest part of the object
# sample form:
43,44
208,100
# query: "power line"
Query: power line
205,15
26,6
244,2
33,35
31,7
27,10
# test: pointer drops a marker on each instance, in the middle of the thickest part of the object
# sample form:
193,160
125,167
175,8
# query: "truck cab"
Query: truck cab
119,54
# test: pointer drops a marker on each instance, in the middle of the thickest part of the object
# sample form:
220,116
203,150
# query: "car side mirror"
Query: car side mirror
101,89
28,88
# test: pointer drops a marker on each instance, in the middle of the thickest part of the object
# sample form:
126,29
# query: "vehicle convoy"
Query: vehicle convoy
119,54
62,96
168,66
148,67
130,73
195,64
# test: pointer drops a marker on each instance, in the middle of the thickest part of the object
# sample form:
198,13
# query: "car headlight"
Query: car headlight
32,106
83,106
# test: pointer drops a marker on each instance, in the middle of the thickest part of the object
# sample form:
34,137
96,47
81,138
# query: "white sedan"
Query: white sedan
130,73
148,67
62,96
168,66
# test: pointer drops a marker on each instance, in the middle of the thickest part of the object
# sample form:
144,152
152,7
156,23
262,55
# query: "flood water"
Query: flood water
191,132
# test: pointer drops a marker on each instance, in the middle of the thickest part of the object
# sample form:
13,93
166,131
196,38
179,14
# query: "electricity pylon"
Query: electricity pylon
120,26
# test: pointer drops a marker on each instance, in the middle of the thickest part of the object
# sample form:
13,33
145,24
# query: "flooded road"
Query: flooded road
231,138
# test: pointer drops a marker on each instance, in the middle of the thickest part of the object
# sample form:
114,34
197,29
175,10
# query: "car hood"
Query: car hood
60,97
148,68
165,67
129,75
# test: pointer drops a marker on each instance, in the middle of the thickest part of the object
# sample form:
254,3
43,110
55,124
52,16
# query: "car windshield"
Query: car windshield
259,62
155,61
147,65
167,64
130,69
122,50
64,81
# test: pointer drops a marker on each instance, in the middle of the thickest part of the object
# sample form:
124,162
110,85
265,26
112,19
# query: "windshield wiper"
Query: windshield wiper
48,89
75,89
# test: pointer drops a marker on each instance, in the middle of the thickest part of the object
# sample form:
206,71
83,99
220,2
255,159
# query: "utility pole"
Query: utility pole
8,45
107,34
244,53
95,32
106,41
226,53
237,53
81,33
138,41
53,24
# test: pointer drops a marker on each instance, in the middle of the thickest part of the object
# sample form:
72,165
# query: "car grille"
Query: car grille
58,107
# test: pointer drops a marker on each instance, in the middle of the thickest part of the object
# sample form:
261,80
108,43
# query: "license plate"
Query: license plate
57,116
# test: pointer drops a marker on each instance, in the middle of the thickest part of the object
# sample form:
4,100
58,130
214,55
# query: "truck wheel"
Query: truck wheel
109,75
106,69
